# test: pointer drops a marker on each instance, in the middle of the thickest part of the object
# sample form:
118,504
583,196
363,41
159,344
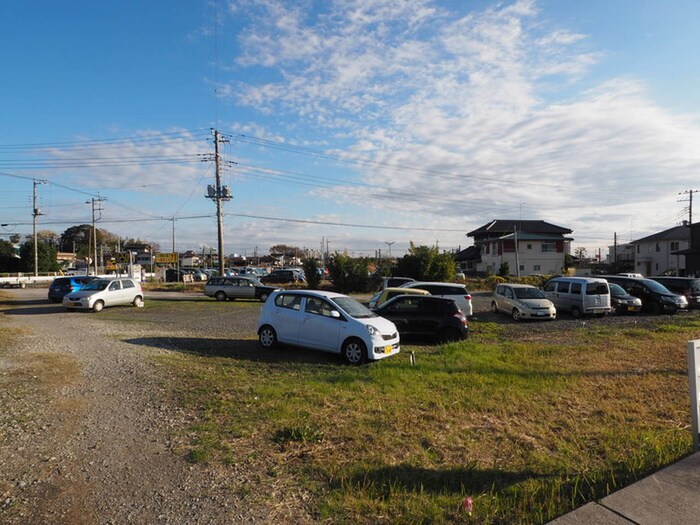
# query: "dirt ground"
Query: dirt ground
86,430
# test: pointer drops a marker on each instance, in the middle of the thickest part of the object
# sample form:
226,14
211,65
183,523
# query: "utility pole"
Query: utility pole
689,193
95,207
219,194
615,250
35,213
517,257
389,245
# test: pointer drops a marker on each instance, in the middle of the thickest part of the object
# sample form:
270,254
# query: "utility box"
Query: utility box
694,383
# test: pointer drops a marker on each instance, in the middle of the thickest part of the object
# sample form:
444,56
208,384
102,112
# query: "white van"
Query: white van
579,295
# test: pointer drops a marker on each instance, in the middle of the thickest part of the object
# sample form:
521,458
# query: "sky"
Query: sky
360,124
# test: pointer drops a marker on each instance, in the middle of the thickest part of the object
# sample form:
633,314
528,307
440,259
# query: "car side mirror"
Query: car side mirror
335,314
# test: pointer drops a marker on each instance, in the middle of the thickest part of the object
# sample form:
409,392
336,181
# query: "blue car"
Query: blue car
64,285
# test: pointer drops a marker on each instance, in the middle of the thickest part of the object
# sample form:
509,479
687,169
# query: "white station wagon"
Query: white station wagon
326,321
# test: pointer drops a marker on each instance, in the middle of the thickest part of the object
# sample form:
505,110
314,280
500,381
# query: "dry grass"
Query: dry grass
528,428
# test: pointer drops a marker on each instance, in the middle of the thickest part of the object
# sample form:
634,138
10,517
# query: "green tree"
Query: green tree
348,274
504,270
46,257
426,263
9,262
313,279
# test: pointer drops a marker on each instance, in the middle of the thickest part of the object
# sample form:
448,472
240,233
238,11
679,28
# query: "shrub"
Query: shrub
349,275
313,279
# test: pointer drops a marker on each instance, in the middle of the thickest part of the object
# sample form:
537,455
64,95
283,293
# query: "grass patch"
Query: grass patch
530,429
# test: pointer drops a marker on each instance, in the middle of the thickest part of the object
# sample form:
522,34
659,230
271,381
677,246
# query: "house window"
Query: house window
658,248
529,246
638,248
536,268
522,267
674,246
549,247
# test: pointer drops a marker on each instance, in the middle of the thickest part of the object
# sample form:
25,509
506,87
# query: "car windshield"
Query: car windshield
97,284
528,293
616,290
656,287
353,308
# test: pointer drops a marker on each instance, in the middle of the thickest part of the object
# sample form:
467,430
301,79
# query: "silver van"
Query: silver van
579,295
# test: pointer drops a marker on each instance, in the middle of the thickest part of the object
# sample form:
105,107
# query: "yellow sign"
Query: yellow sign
166,258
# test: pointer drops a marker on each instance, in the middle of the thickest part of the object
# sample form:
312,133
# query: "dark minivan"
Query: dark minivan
64,285
688,286
656,298
425,315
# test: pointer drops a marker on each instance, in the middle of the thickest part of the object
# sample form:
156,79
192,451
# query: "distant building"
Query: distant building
527,247
662,252
621,254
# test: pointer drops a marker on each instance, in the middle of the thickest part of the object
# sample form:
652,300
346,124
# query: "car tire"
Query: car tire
494,307
263,297
354,352
575,312
267,337
98,306
220,296
517,316
138,301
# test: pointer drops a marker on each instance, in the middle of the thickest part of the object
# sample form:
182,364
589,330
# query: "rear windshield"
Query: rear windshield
61,281
597,289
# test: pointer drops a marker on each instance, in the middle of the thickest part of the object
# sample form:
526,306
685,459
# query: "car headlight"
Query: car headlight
371,329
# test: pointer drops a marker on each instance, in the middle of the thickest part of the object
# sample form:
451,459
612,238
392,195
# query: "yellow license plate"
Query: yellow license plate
387,349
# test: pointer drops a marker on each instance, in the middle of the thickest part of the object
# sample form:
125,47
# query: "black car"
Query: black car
622,302
282,276
656,298
688,286
64,285
424,315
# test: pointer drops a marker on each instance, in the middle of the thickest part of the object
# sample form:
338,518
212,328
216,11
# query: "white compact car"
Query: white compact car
100,293
326,321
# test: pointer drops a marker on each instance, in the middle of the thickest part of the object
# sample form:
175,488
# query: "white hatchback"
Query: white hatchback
327,321
99,293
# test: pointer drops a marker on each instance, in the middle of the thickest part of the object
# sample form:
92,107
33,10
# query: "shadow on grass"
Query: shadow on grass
41,308
457,480
240,349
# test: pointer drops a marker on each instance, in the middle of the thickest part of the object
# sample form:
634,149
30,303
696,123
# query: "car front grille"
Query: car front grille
390,337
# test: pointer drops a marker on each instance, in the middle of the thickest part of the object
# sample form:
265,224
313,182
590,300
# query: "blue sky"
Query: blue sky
361,122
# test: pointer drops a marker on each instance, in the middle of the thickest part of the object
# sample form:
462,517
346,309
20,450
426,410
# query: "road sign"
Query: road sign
166,258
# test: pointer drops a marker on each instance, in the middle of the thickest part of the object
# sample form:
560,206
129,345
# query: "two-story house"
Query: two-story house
658,253
526,247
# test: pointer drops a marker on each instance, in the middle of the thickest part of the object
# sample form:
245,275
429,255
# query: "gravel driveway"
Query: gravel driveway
87,438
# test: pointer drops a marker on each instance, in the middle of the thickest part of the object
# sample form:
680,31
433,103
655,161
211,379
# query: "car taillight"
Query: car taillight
461,317
468,297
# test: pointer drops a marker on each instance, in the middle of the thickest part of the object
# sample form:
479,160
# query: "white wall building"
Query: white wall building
653,255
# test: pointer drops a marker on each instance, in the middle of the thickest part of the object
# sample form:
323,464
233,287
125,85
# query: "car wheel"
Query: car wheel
263,297
220,296
517,316
575,312
138,301
98,306
267,337
494,307
354,352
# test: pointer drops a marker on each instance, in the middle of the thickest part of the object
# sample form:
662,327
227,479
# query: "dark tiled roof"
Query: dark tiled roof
468,254
677,233
504,226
